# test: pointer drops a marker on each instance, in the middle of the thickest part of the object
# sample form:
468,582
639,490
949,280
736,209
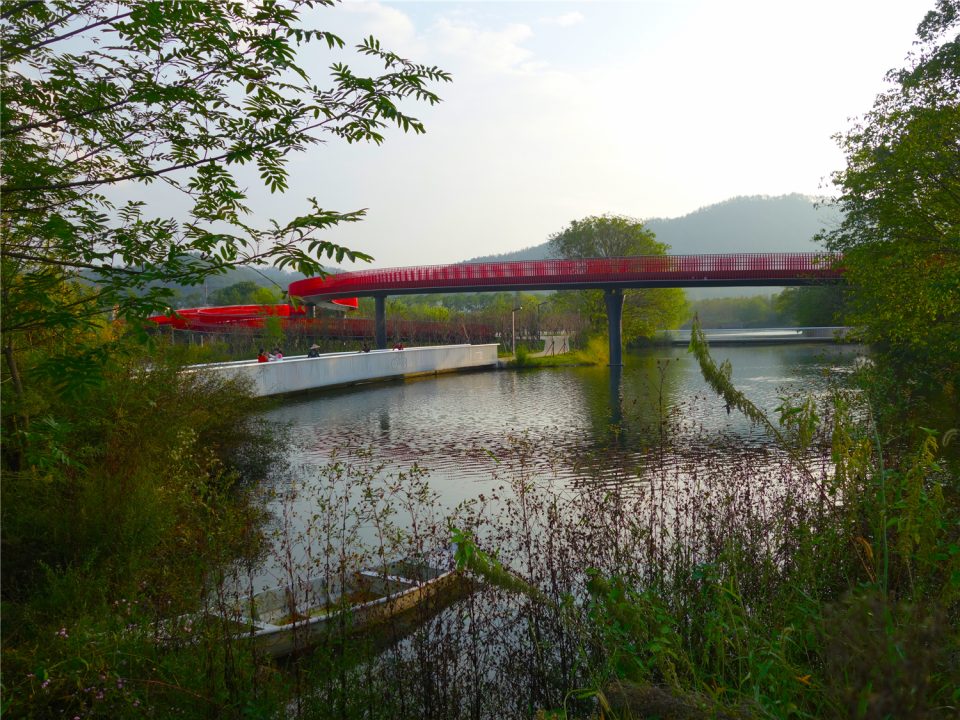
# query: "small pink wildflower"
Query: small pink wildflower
62,632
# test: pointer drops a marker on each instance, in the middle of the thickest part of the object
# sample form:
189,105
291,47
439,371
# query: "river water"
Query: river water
576,425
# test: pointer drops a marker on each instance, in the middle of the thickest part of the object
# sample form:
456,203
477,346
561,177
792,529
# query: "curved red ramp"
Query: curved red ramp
207,318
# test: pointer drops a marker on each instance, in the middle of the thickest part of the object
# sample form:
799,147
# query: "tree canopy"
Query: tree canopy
900,197
605,236
645,311
104,96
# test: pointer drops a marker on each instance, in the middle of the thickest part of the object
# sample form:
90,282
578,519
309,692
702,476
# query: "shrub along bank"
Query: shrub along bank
122,499
801,589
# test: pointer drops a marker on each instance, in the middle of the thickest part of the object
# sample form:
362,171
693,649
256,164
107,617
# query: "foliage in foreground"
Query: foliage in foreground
742,585
102,100
822,590
819,581
120,504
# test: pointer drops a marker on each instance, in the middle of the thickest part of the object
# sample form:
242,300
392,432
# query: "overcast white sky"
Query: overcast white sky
559,110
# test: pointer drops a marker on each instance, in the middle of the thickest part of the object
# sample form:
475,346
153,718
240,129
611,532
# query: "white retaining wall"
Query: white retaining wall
299,373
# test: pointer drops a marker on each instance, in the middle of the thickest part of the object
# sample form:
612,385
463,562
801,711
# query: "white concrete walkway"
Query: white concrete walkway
300,373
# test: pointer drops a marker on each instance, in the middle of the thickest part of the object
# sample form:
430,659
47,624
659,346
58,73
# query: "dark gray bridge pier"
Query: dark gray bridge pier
380,323
613,297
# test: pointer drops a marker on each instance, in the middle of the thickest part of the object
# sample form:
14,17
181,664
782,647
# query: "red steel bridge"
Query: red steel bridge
613,275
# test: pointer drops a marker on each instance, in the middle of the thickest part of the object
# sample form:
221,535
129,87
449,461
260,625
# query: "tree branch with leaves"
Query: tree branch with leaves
99,94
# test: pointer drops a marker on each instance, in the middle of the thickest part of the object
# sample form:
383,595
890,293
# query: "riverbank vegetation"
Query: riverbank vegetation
595,350
810,584
792,581
122,500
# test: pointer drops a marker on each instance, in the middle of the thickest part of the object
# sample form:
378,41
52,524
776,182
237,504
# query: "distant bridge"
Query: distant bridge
612,275
763,336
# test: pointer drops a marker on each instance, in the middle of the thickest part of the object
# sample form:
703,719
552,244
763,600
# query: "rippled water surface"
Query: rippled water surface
575,428
453,424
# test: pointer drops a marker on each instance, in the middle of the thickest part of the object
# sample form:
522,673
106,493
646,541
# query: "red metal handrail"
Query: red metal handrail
675,270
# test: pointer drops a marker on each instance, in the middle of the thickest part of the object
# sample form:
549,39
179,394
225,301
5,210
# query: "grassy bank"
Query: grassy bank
595,352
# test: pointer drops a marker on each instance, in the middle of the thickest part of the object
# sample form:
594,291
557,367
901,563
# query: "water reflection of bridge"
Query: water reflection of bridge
763,336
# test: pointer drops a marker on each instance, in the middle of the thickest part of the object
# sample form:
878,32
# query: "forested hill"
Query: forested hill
194,295
743,224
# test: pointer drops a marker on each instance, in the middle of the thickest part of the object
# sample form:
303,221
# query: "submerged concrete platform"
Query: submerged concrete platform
299,373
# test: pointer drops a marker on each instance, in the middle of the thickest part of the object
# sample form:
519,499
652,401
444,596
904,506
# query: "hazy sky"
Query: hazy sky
561,110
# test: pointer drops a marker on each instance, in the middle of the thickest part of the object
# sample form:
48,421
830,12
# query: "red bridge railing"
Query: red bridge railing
639,271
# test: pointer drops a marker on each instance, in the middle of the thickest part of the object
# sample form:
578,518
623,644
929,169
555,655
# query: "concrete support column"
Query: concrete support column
380,323
613,297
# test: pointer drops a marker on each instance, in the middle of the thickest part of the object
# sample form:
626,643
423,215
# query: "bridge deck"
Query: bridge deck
743,269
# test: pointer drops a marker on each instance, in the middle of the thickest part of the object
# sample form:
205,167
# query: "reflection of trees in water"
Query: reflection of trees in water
626,405
652,416
581,421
